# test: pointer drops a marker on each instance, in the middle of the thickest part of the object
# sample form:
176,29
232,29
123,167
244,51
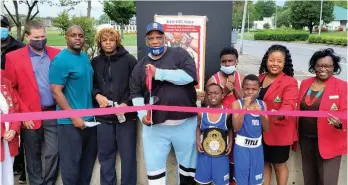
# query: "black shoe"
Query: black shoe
22,178
16,172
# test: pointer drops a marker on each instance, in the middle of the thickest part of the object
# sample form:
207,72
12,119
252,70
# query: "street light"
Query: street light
243,25
321,12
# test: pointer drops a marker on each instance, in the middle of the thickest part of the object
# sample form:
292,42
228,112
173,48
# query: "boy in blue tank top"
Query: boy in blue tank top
248,151
212,136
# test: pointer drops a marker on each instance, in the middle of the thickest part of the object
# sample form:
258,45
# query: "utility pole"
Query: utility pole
243,25
321,12
248,19
276,17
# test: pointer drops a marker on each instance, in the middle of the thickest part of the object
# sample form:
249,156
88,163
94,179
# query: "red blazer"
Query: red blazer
19,71
332,141
11,98
282,95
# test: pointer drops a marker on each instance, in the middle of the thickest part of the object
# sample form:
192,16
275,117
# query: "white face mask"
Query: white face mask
228,70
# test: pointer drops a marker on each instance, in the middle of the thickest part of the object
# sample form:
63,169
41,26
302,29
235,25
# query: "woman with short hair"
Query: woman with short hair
323,140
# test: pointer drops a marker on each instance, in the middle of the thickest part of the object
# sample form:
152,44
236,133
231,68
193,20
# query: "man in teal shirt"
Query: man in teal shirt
71,80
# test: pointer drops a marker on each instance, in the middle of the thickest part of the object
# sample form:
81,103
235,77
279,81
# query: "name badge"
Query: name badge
334,107
333,97
214,142
277,100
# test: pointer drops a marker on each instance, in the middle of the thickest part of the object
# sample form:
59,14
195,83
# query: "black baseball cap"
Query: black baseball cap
4,21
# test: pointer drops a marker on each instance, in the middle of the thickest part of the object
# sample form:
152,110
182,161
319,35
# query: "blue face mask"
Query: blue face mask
228,70
156,50
4,33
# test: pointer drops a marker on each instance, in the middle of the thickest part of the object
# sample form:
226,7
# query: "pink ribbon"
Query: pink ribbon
112,110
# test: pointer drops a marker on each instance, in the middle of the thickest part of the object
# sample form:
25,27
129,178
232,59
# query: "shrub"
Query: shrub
282,35
328,40
323,29
266,26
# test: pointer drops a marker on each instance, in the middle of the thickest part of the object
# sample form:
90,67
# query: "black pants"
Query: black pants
19,163
316,170
42,144
112,138
77,152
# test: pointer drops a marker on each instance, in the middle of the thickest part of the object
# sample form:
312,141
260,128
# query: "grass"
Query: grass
250,35
334,33
247,36
54,38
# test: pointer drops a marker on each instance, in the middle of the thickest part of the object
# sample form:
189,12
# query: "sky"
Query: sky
81,10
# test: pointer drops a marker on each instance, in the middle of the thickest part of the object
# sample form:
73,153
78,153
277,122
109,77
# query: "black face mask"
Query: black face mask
38,45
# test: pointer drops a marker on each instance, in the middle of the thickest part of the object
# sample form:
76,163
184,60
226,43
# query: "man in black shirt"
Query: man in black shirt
8,43
174,80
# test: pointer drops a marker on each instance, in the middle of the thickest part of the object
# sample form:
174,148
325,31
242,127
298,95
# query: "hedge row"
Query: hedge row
328,40
281,36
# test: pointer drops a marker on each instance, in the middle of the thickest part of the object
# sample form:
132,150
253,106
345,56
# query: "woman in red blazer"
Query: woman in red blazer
9,142
279,90
323,140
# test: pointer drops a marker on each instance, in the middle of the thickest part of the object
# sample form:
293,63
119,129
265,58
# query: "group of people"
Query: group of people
241,148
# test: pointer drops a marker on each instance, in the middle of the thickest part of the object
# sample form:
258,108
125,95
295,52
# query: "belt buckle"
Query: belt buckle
214,142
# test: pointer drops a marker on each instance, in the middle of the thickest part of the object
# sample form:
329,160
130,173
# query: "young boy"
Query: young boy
248,151
213,160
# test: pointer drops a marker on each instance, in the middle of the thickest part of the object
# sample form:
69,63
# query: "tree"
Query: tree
343,4
266,26
237,14
62,22
15,16
103,19
71,4
307,13
283,18
120,11
265,8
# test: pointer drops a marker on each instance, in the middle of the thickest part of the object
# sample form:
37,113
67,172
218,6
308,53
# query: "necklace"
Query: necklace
308,100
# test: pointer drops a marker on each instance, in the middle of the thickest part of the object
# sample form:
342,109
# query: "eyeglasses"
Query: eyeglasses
327,67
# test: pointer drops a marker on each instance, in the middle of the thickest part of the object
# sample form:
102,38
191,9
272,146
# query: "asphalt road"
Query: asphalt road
300,52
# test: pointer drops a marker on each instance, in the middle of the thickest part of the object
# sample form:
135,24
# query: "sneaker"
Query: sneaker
22,179
17,172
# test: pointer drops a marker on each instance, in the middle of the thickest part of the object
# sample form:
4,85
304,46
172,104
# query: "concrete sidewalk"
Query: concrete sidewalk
247,65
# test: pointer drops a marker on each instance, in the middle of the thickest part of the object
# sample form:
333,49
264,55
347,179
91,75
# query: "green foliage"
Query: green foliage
265,8
281,35
237,14
342,3
103,19
283,18
62,22
332,40
266,26
120,11
306,13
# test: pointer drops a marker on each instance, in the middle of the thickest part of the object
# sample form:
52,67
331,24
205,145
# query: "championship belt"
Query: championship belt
214,142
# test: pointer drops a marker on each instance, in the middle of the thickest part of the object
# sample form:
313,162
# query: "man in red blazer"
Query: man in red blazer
27,69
